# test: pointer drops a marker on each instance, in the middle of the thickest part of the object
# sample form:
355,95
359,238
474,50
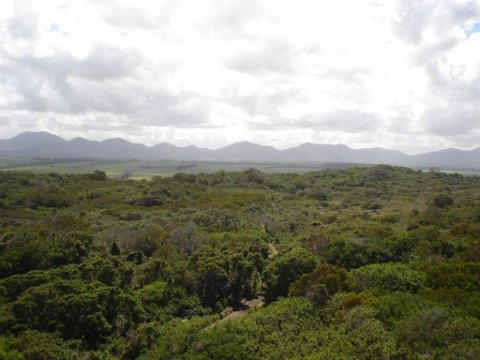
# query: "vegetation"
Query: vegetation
364,263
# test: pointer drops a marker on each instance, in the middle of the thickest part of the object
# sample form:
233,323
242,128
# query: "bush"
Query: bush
443,201
372,206
389,277
454,274
319,285
217,220
149,201
98,175
435,329
355,252
286,268
50,197
76,309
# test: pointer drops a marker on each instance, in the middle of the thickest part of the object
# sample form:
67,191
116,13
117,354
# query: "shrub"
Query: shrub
98,175
389,277
217,220
51,197
443,201
284,269
319,285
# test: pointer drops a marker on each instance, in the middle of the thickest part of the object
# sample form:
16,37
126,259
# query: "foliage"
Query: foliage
443,201
284,270
389,277
318,286
364,263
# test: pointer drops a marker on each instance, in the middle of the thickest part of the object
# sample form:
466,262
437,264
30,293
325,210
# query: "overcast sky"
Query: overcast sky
401,74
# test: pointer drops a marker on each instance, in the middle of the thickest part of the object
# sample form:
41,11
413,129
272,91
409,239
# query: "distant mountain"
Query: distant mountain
44,144
449,158
342,153
111,149
40,143
247,151
166,151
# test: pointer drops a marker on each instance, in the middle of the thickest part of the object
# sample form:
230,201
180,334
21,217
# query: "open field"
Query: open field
147,169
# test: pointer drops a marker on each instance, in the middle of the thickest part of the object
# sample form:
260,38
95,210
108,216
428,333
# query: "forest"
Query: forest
363,263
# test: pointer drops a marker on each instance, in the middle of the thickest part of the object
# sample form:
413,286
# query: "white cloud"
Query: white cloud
394,73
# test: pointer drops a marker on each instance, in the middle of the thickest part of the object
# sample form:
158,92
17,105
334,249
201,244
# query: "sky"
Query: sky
399,74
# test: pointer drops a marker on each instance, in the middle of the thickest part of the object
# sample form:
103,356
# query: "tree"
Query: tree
389,276
98,175
319,285
114,249
284,269
443,201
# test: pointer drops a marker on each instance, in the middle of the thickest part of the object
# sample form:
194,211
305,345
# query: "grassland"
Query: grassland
138,170
146,170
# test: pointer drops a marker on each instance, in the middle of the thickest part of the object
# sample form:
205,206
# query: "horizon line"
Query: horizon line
235,143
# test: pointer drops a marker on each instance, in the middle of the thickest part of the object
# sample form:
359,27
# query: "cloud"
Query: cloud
103,82
122,16
23,25
452,120
435,31
417,22
413,17
267,57
397,73
61,83
347,121
232,19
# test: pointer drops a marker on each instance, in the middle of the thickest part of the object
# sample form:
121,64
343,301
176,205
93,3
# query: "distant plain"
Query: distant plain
138,170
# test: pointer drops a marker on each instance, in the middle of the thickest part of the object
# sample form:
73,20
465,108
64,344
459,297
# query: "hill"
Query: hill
44,144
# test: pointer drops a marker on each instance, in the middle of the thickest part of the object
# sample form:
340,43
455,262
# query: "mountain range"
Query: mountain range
47,145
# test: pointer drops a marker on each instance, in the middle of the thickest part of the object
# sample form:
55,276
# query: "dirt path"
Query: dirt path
272,250
249,304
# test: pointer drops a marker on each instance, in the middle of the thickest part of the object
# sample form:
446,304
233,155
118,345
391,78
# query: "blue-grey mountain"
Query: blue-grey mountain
44,144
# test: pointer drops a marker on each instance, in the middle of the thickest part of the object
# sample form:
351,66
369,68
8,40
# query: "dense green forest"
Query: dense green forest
364,263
